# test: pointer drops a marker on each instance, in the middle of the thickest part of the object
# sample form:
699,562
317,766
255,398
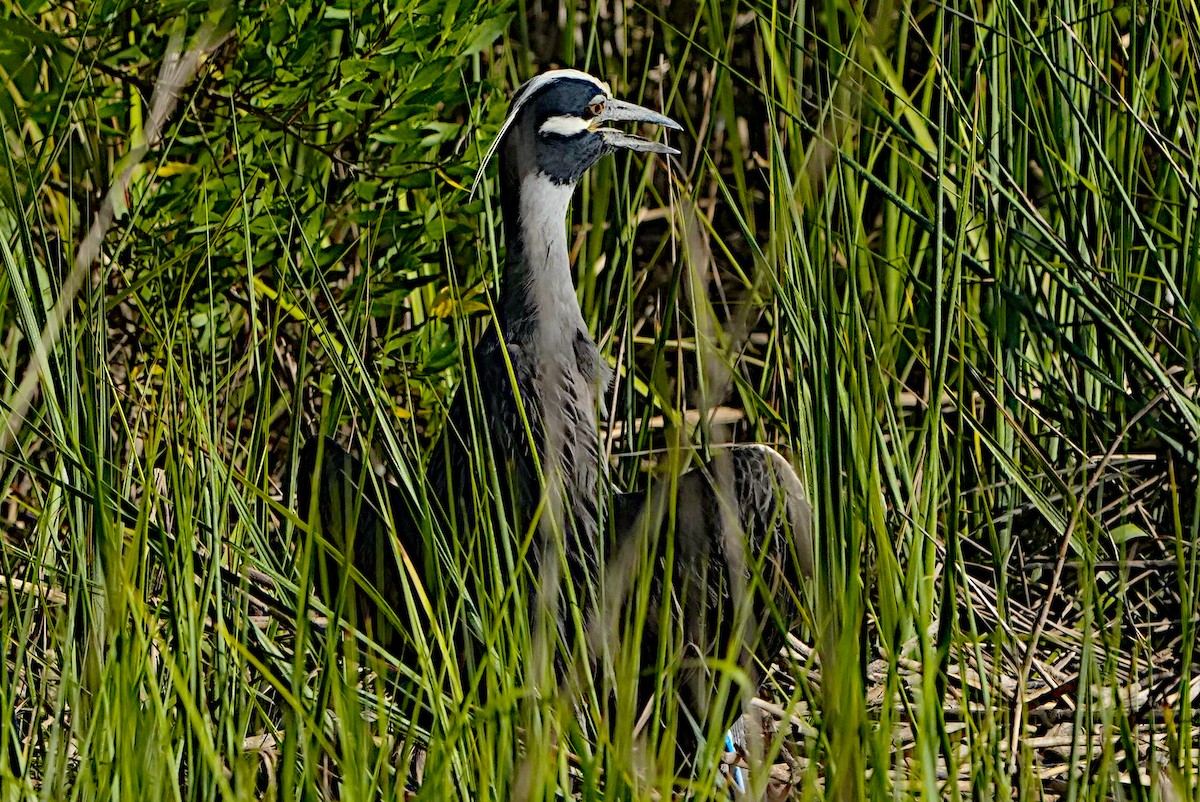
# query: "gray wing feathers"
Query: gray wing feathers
742,542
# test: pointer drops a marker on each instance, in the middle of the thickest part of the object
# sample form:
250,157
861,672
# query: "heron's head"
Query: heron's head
561,123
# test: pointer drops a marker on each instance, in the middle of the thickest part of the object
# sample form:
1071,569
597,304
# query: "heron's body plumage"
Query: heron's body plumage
740,540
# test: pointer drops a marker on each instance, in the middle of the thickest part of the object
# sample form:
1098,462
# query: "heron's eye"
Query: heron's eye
595,109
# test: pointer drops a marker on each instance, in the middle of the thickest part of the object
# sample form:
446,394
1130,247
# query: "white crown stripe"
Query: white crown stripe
528,90
564,125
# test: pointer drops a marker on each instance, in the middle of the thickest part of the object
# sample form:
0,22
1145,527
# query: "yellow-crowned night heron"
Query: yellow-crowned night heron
741,530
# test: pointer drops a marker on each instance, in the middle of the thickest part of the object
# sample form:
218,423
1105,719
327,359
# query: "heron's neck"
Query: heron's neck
538,291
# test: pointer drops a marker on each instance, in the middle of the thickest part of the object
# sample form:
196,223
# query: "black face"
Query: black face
553,134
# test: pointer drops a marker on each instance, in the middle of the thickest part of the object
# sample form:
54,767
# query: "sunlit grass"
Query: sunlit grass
944,259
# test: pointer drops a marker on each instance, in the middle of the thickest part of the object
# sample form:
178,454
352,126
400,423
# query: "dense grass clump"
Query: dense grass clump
944,258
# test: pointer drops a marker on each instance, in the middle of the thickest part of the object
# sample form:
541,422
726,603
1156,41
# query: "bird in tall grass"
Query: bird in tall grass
740,534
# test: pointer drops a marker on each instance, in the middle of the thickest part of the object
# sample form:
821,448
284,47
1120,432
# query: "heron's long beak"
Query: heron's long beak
618,111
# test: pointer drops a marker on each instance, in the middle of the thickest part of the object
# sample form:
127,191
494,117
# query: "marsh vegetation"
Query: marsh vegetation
943,258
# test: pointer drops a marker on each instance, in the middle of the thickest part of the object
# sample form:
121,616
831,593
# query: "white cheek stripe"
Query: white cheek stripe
528,90
564,125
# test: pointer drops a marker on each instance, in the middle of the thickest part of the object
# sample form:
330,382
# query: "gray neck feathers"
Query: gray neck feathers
539,285
540,316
